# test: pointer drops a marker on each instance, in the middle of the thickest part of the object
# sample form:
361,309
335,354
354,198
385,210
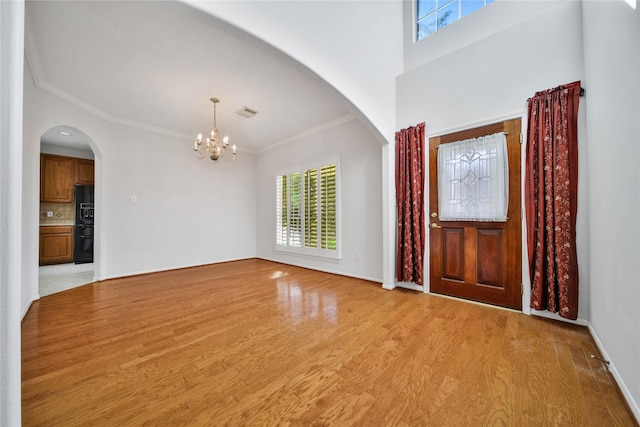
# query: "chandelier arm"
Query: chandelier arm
201,152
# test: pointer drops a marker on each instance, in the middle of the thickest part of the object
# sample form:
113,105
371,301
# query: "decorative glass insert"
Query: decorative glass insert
433,15
473,179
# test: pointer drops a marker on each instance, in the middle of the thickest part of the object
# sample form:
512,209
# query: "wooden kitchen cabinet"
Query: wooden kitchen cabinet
57,176
84,171
56,244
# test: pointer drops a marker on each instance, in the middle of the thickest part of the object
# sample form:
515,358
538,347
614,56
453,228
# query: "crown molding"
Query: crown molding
317,129
35,65
65,96
31,52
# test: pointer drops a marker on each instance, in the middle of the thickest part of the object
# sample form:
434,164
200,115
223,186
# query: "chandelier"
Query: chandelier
213,147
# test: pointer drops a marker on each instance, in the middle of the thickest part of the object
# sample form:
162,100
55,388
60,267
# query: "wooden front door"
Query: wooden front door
480,261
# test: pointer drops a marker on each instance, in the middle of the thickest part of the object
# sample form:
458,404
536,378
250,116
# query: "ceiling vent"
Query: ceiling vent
246,112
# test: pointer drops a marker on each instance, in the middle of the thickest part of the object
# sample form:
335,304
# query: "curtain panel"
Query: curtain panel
551,189
410,175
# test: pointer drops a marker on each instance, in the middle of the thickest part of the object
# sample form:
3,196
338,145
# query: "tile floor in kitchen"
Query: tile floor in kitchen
60,277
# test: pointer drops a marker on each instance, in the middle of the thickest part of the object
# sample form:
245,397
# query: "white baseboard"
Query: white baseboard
616,375
412,286
556,316
324,270
36,297
404,285
160,270
612,368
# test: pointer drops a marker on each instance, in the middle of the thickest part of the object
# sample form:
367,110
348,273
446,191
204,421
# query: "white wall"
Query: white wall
462,78
360,175
43,111
493,77
355,46
188,211
66,151
462,82
11,48
490,80
612,71
492,19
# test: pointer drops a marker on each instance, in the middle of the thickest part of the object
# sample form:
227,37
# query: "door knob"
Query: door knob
434,215
434,225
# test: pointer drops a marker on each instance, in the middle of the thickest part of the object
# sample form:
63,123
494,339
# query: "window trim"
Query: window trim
302,250
416,19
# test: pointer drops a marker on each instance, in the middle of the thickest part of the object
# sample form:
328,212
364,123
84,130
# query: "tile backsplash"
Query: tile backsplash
63,213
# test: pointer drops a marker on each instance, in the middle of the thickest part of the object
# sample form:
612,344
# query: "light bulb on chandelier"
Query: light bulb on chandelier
213,147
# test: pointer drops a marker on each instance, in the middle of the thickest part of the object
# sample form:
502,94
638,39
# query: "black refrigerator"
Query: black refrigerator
83,229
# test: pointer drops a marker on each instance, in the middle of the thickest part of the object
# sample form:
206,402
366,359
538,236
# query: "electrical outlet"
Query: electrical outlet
49,214
358,257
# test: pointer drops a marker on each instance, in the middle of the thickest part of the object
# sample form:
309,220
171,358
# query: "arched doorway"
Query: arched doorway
67,210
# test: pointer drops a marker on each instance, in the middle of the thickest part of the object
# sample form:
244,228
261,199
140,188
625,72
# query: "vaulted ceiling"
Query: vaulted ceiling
156,65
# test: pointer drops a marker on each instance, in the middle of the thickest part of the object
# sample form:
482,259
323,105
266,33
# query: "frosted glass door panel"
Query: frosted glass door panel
473,179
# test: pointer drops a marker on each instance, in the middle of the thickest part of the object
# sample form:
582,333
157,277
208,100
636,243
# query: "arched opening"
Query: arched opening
67,210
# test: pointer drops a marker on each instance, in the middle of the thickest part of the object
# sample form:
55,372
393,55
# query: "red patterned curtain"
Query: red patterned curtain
410,202
551,188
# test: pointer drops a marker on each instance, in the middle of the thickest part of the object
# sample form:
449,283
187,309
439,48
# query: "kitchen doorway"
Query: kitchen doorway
67,210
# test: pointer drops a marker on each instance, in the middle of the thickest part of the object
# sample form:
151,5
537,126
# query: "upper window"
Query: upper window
307,220
433,15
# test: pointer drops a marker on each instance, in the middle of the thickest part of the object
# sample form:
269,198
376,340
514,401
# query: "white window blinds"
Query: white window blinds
281,210
307,203
311,208
295,209
473,179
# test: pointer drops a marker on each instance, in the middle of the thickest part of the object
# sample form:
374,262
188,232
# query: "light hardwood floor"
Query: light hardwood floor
259,343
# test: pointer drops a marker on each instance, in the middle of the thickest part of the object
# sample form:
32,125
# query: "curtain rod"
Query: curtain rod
581,93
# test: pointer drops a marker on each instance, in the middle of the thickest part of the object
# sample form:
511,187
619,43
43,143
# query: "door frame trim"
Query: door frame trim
522,115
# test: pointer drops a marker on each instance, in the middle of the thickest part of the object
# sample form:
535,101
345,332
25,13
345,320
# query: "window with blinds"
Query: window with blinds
307,201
